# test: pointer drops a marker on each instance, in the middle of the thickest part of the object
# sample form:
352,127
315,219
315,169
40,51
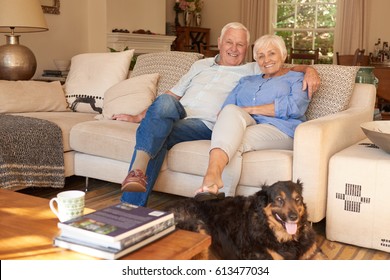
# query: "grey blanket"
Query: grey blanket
31,153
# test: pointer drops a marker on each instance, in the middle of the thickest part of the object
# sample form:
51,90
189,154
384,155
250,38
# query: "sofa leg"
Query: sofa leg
86,184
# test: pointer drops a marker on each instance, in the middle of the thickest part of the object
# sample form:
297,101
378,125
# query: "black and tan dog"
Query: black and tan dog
271,224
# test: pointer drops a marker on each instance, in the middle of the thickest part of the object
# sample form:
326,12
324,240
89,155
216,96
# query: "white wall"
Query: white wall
378,27
67,35
82,26
136,14
96,25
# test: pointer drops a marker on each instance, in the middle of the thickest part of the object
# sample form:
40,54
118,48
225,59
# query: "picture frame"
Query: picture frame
51,6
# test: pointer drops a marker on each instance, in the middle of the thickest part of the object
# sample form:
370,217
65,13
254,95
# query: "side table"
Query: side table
193,37
382,72
358,206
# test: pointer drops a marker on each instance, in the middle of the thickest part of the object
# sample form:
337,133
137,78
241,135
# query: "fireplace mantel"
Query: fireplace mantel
141,43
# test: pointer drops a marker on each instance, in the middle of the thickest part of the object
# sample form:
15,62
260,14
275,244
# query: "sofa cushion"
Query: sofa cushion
192,158
131,96
106,138
170,65
264,163
31,96
91,74
189,157
335,92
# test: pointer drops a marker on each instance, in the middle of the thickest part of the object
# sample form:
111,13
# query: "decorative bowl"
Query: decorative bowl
62,64
379,133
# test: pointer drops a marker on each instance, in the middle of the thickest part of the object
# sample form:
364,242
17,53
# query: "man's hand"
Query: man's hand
128,118
311,81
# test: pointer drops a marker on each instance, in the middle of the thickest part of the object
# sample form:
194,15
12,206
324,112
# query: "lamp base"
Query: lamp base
17,62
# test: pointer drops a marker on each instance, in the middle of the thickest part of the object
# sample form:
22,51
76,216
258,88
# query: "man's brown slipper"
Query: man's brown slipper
135,181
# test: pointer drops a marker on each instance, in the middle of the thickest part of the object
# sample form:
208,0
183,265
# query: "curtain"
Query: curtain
255,15
351,26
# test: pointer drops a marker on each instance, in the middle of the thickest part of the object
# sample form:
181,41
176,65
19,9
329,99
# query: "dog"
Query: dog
270,224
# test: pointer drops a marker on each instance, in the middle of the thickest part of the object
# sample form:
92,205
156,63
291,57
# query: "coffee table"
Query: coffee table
28,227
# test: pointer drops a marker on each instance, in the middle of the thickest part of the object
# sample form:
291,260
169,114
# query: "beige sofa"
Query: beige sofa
102,148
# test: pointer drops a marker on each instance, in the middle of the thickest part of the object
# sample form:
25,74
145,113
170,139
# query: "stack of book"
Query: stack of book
115,231
55,75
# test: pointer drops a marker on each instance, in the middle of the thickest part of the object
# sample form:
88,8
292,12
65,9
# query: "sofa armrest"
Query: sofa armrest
316,141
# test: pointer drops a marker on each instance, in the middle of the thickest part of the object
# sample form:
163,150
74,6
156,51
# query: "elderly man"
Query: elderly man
189,110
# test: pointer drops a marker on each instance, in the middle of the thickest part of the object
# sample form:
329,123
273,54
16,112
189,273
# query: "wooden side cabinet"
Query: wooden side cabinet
382,72
190,38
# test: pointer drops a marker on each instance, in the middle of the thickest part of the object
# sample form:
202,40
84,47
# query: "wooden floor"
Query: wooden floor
101,194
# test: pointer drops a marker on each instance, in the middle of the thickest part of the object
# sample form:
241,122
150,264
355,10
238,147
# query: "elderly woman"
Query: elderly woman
261,112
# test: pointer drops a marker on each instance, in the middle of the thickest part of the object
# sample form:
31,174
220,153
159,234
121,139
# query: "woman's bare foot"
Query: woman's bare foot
209,193
214,189
210,189
212,181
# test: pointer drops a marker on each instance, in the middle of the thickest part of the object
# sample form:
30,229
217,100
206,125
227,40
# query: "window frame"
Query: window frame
314,30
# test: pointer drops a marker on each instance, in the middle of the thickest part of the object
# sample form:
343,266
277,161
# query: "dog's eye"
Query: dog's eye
298,200
279,200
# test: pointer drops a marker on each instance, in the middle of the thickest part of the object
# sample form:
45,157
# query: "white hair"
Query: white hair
235,25
266,40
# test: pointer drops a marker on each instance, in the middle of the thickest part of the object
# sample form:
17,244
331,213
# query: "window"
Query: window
307,24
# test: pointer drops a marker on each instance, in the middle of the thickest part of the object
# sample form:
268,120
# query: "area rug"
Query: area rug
341,251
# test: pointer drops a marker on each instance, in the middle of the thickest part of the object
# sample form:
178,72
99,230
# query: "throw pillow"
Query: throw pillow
131,96
335,92
31,96
170,65
91,74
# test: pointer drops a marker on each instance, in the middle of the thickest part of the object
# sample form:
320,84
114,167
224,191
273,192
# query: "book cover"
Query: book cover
115,223
48,72
120,244
104,252
52,78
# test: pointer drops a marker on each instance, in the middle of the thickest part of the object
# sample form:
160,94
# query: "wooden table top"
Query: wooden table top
28,228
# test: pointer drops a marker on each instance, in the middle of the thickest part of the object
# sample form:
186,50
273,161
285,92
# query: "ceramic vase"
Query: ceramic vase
198,19
188,18
365,75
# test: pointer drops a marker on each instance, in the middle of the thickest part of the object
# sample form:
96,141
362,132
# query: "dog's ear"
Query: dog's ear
264,187
299,186
264,193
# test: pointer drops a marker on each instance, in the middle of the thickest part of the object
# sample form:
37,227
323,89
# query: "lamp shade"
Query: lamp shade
21,15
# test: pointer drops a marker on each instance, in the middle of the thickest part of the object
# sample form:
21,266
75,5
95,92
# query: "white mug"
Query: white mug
70,204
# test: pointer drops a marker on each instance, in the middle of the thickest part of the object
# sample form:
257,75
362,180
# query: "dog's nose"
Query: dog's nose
293,216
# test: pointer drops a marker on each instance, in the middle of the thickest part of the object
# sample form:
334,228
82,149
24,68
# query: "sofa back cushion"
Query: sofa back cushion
31,96
131,96
335,92
170,65
91,74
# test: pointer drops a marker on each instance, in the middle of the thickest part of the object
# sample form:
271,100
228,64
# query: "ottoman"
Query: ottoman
358,206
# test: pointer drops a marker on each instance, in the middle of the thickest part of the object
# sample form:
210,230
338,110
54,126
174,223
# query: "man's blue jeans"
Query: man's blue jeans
163,127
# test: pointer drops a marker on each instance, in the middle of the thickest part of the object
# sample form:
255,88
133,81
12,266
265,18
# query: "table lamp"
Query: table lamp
17,62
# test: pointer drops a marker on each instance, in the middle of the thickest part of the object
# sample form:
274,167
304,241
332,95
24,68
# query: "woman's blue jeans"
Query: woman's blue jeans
163,127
